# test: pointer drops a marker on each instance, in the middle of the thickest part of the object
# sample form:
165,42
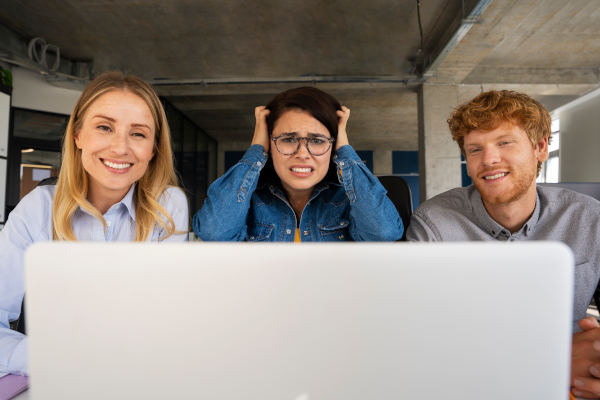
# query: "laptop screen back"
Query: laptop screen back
301,322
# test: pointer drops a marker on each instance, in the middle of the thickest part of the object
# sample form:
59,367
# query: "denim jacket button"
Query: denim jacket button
341,236
288,231
258,163
341,163
305,233
251,237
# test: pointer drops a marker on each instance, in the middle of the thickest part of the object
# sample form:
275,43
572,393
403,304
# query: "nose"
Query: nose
303,150
491,155
118,143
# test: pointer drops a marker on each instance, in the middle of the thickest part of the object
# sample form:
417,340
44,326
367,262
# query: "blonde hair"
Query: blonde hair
489,109
73,181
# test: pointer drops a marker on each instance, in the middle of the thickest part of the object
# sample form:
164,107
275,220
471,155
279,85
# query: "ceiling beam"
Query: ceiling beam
464,26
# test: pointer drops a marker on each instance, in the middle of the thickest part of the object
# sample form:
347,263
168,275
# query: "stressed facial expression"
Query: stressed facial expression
300,172
503,162
116,140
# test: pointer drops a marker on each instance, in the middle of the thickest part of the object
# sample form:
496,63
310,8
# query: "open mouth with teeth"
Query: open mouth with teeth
117,166
495,176
301,171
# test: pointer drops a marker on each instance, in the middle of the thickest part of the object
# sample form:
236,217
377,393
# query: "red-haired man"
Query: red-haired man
504,136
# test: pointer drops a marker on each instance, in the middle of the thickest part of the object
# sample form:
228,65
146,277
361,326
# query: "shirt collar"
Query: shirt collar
126,202
496,230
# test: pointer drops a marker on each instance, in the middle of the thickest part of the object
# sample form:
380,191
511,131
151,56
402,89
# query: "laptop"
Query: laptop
466,321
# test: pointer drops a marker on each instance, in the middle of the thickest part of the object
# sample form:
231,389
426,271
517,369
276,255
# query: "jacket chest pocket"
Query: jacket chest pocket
260,232
335,232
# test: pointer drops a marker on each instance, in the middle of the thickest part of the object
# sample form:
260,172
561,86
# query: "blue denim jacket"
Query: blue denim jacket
355,209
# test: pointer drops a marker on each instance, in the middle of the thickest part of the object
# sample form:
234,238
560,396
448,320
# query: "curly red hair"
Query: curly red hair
489,109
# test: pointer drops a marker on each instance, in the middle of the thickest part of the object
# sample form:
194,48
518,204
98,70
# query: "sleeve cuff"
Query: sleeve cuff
18,362
255,154
345,153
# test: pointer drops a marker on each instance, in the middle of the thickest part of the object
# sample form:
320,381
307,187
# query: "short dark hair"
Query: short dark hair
322,106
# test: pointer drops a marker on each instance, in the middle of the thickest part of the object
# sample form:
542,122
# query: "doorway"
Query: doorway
34,151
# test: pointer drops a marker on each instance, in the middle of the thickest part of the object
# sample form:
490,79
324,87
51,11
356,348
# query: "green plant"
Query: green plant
6,77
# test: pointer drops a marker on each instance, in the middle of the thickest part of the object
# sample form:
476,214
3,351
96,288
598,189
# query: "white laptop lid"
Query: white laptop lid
301,322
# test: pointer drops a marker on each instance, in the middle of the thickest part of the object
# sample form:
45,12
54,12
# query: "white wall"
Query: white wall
2,188
4,124
580,139
31,91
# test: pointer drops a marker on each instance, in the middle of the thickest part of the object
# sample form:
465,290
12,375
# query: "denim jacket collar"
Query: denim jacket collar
279,193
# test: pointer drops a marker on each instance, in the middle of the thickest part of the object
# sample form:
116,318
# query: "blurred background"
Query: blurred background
401,66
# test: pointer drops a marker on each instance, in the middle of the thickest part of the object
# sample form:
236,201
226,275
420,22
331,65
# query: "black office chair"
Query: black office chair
398,192
19,325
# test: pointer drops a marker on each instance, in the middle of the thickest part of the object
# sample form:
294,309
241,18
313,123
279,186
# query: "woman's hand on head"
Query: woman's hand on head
261,133
342,138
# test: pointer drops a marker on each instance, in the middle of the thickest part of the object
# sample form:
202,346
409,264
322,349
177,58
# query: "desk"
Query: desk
22,396
25,396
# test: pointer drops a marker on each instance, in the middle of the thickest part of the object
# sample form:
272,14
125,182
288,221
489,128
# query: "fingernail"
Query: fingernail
579,383
596,345
594,371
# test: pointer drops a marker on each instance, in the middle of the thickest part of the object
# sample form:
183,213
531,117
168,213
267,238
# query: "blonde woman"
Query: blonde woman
116,183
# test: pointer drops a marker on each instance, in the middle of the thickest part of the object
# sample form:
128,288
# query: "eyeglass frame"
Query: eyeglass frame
306,139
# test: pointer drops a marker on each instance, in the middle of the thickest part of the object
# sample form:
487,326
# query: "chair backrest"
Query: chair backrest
589,188
398,192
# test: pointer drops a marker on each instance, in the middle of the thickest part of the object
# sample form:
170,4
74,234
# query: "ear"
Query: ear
541,150
77,140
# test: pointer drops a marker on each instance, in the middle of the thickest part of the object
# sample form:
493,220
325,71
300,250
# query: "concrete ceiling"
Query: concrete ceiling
216,59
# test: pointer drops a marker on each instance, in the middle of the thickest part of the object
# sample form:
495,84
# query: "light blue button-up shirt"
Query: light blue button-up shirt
31,221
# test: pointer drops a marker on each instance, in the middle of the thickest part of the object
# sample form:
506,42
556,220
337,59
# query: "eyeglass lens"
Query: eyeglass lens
290,145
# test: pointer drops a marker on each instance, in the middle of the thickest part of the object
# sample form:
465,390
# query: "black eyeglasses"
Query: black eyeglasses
289,145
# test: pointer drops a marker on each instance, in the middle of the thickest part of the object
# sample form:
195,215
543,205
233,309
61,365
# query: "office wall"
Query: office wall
580,139
31,91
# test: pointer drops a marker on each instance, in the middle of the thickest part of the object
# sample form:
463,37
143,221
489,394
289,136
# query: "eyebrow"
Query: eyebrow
506,136
309,134
501,137
136,125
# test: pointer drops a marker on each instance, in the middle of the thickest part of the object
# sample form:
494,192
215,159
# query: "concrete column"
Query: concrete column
439,155
382,162
224,146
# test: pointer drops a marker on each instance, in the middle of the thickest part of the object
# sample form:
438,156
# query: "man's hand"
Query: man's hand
585,360
261,134
342,137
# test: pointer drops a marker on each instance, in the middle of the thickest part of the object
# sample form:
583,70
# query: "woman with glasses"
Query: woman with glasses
299,181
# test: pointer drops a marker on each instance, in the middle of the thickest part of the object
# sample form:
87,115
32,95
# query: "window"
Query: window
34,151
550,168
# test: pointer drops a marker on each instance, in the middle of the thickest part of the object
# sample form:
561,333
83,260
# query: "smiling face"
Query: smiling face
300,172
503,163
116,140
